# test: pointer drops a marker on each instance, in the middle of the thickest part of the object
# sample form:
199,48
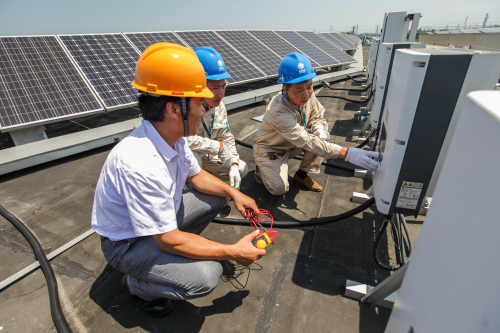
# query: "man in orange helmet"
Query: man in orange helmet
149,227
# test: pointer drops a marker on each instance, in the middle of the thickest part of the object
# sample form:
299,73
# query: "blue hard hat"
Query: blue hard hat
295,68
212,62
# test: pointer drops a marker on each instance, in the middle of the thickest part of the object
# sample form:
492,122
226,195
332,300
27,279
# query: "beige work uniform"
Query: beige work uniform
283,134
208,147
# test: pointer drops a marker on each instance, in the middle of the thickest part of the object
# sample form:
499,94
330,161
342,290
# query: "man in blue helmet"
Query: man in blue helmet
294,123
214,145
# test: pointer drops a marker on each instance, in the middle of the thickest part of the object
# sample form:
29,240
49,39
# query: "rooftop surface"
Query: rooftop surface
296,287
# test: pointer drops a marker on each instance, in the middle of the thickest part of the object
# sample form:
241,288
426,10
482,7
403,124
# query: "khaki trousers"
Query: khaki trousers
214,168
274,173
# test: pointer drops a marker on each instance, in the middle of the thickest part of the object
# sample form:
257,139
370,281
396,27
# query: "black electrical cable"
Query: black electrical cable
342,167
408,235
55,305
299,224
346,89
377,243
347,99
355,80
400,240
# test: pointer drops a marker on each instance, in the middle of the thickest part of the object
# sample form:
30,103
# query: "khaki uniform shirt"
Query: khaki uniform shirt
282,129
203,144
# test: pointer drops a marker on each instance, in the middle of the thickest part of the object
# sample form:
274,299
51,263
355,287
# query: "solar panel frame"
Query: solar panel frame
321,57
227,54
343,39
262,58
139,46
278,45
335,41
59,72
111,85
330,48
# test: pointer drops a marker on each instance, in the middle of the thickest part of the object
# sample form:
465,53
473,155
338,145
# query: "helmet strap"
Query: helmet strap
206,104
185,116
285,94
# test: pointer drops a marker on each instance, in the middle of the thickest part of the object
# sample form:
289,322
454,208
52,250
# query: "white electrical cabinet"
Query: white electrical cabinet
426,87
395,27
451,284
372,61
386,52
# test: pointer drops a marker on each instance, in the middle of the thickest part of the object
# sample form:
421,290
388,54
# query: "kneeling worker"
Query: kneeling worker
294,123
149,227
214,146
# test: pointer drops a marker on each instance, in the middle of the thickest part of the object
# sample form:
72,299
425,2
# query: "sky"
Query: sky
50,17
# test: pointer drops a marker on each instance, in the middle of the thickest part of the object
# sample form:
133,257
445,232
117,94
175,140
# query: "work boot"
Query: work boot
309,183
156,308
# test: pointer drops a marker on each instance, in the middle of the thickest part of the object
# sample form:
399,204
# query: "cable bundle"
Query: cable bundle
255,220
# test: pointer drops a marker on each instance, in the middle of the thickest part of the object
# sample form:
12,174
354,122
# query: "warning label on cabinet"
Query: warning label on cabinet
409,195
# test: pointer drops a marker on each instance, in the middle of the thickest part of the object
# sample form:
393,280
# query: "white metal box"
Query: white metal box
385,60
451,284
426,88
372,61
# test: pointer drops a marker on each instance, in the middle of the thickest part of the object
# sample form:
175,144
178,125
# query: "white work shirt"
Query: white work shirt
140,187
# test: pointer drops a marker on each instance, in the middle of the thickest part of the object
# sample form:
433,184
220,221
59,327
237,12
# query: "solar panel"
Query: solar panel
343,39
328,47
277,44
108,61
241,69
143,40
257,53
308,48
335,41
39,82
352,38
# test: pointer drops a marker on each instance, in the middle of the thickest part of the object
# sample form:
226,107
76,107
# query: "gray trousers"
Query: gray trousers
154,273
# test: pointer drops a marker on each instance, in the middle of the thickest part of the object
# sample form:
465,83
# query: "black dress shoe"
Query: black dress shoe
156,308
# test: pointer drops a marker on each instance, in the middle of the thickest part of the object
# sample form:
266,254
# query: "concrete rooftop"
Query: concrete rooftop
296,287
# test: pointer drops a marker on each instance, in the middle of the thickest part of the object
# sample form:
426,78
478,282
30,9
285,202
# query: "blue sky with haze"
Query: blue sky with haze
39,17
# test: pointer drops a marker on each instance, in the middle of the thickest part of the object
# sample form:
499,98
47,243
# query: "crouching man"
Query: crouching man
149,226
213,145
294,123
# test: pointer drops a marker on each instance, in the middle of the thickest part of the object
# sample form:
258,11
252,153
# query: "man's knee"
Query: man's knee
277,187
207,278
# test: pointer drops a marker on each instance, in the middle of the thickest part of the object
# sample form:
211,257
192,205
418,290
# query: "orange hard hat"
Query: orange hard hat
172,70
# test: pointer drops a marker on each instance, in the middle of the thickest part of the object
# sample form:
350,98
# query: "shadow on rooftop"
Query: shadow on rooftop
109,294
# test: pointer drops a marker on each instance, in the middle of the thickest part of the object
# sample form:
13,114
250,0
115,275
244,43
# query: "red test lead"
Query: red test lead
264,238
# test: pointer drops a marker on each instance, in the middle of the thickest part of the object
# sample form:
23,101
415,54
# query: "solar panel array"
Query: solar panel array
257,53
108,61
328,47
241,69
308,48
277,44
343,39
335,41
143,40
38,81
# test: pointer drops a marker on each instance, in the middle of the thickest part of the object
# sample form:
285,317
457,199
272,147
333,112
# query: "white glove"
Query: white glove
363,158
321,133
234,177
225,156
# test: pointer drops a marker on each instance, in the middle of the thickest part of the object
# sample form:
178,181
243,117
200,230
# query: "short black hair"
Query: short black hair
153,108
